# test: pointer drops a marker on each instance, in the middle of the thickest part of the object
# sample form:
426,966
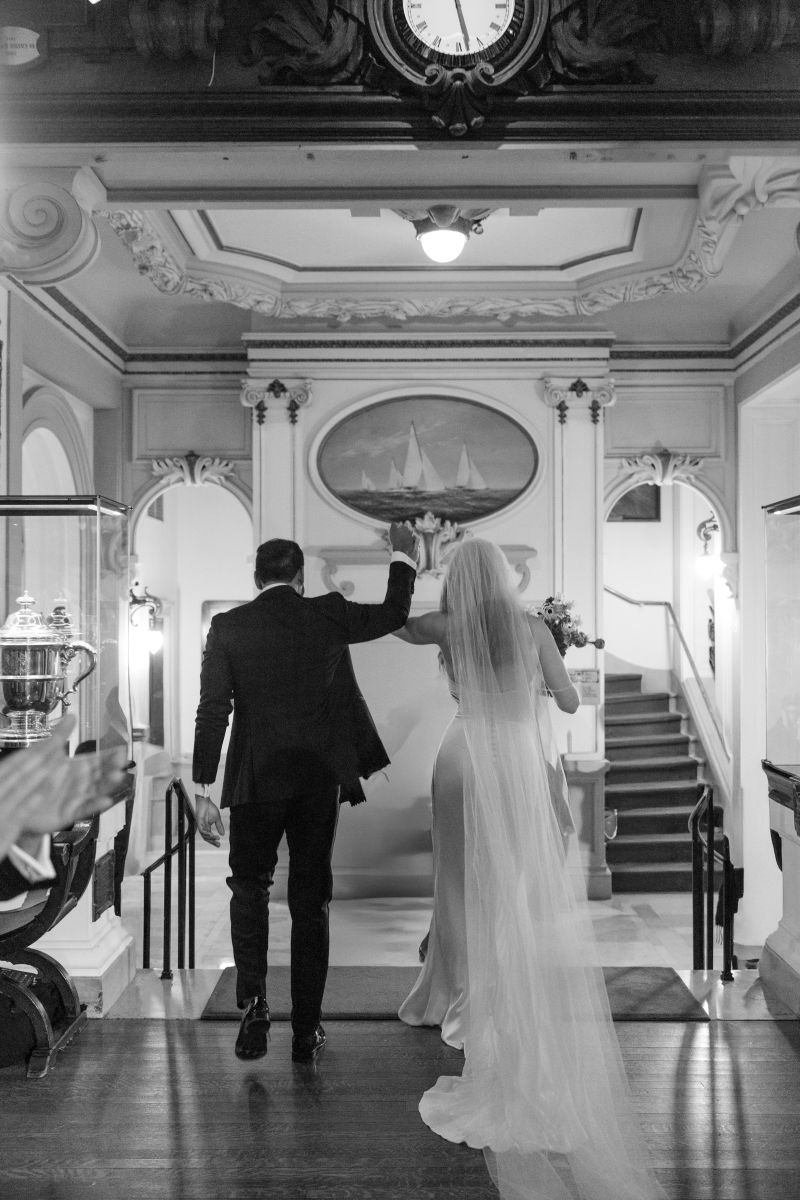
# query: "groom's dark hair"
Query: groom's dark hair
278,561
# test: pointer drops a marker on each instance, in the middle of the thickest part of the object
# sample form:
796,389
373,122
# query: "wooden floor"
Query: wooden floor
145,1108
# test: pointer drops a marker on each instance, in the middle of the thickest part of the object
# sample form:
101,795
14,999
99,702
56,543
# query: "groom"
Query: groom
301,737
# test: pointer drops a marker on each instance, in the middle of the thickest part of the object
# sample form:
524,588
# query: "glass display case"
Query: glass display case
64,619
782,760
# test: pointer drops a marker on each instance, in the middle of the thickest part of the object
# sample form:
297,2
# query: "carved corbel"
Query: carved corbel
729,192
192,469
47,234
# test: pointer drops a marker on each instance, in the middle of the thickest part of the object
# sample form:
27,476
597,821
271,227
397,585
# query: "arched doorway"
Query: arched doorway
192,554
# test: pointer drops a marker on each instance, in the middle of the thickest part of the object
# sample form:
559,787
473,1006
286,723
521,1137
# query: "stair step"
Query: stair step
642,723
623,682
650,848
654,745
647,877
660,818
653,769
651,793
637,702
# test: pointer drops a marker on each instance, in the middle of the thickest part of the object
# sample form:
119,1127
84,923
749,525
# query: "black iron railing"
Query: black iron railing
184,847
711,850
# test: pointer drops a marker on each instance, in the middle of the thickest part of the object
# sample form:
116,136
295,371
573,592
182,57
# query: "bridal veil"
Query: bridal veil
543,1090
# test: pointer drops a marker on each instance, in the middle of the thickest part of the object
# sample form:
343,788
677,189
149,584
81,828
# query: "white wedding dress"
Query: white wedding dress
511,970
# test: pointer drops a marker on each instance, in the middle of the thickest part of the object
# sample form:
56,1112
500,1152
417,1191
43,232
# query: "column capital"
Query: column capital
258,396
560,395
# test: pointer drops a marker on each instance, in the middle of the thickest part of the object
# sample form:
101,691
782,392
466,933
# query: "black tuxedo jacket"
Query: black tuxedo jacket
282,664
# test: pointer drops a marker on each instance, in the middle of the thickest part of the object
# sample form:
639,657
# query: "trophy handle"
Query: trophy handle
91,653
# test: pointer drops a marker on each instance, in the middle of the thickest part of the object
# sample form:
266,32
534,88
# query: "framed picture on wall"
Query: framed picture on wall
641,503
399,459
209,610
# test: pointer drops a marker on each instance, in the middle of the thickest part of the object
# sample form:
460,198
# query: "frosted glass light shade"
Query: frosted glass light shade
442,245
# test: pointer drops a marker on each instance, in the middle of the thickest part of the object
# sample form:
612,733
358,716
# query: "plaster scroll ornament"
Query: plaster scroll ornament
46,237
192,469
662,468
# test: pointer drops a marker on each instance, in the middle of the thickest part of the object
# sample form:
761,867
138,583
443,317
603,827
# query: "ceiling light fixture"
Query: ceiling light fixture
444,231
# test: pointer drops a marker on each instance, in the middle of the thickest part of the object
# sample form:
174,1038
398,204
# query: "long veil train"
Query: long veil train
543,1091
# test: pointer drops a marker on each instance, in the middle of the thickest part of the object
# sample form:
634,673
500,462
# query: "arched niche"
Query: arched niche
46,411
663,470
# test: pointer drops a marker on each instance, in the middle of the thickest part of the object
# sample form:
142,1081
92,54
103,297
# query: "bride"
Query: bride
511,968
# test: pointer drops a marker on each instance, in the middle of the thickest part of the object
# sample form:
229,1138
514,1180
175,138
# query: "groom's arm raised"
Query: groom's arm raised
365,622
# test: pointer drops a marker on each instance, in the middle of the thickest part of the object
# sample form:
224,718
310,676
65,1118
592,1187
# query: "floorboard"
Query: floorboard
143,1108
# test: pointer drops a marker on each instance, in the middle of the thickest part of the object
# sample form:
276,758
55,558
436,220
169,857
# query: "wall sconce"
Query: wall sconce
145,615
443,230
708,562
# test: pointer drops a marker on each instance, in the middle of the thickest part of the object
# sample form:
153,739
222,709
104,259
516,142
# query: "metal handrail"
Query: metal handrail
184,847
704,857
666,604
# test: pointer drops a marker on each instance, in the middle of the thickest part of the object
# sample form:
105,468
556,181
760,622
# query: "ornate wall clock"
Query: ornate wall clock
417,34
458,51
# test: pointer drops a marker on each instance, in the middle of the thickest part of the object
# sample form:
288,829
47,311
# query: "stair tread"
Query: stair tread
658,810
627,839
656,868
646,739
624,696
651,785
656,760
660,718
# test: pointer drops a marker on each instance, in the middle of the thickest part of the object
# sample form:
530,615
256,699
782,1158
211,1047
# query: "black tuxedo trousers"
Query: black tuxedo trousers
308,817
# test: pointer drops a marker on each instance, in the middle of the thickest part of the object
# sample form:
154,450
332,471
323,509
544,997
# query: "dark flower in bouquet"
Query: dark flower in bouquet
564,625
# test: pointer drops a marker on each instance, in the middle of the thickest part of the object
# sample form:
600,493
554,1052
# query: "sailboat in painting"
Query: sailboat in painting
419,472
367,484
468,475
395,478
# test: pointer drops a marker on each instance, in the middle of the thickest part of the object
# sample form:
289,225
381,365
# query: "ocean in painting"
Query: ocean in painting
453,504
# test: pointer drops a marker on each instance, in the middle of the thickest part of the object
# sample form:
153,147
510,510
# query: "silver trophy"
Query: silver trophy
35,656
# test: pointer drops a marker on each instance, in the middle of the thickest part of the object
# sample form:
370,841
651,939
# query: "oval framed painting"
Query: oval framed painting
397,459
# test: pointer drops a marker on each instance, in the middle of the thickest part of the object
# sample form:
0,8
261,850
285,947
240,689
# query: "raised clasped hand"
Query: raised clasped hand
403,539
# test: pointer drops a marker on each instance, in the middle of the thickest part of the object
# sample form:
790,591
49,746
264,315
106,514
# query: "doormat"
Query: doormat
376,993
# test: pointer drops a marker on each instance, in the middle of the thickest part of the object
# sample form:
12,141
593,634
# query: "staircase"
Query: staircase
652,783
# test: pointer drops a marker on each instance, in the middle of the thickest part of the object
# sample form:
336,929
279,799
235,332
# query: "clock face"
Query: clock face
419,36
459,29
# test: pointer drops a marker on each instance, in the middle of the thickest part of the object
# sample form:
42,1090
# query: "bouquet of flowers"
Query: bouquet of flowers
564,625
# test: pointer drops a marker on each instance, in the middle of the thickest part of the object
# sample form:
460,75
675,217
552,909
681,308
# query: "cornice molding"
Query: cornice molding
727,194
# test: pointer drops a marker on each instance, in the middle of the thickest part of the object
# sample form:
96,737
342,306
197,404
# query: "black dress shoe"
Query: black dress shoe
252,1038
306,1047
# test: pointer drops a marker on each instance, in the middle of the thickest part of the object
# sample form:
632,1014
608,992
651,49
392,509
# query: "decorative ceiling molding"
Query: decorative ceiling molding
726,195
